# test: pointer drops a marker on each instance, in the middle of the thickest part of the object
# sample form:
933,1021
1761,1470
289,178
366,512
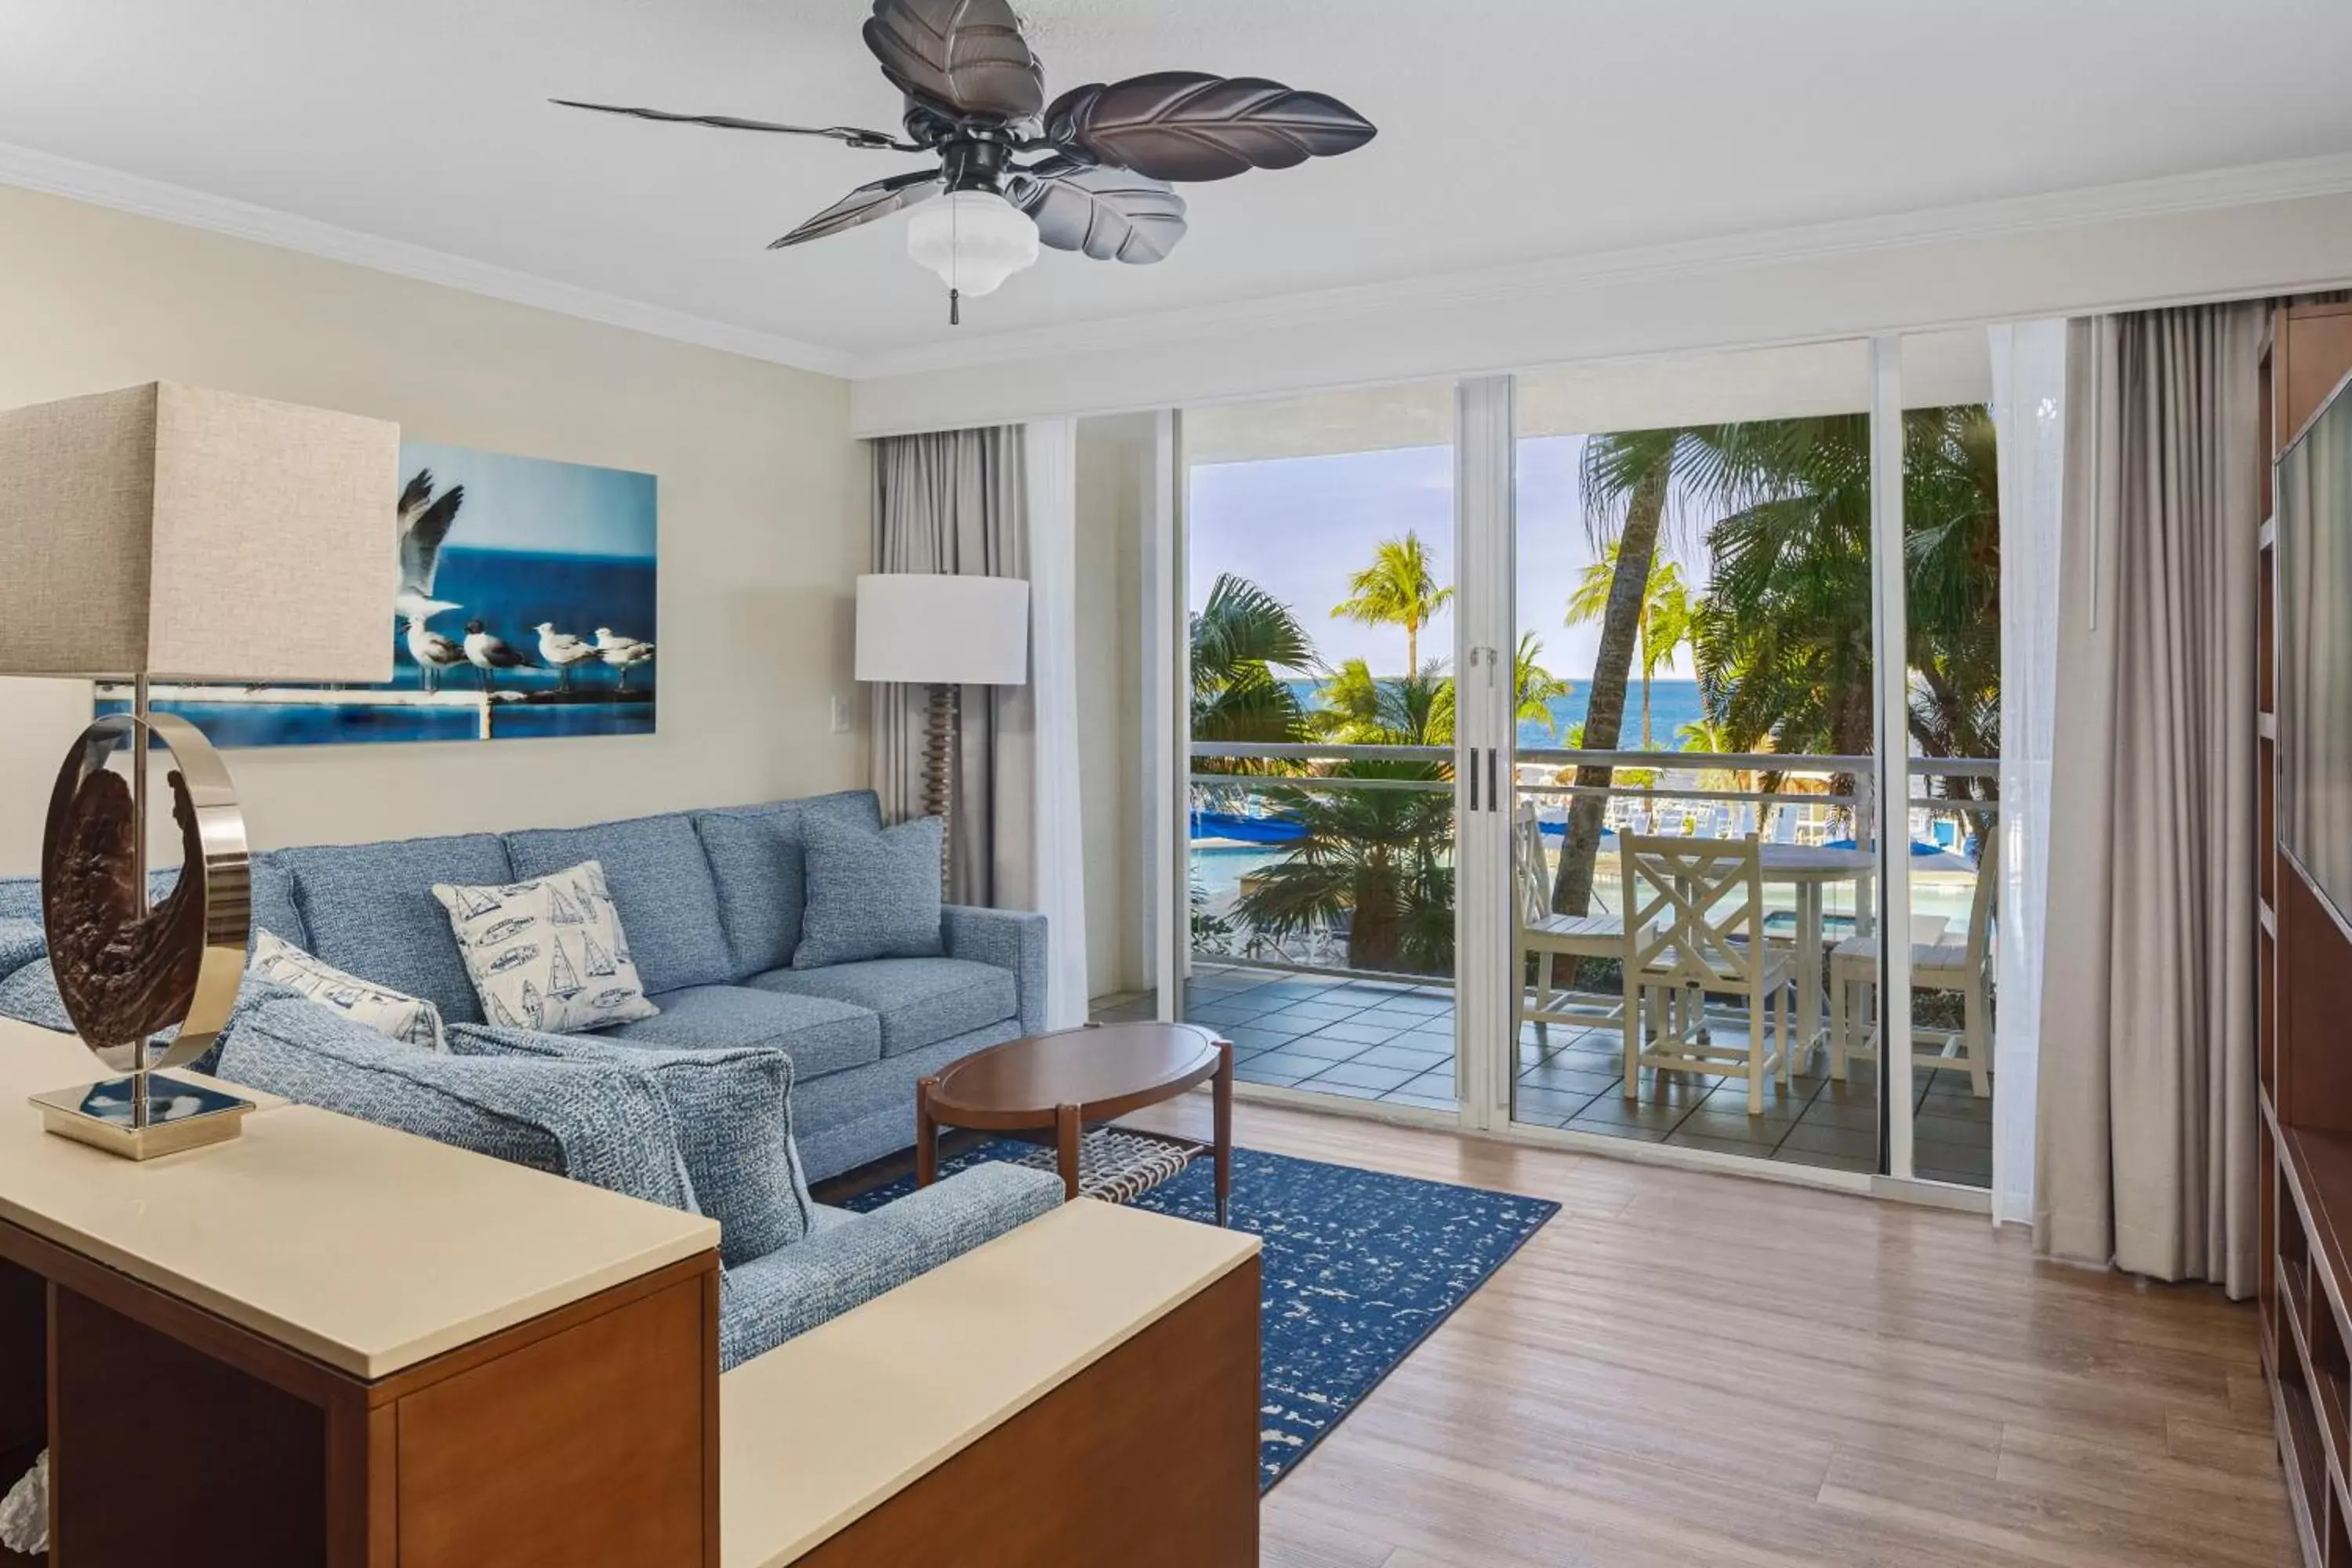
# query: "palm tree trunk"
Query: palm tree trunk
1646,745
1604,713
1412,647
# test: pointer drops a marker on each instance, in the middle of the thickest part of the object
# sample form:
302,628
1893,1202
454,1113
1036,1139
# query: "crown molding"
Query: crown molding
104,188
2250,185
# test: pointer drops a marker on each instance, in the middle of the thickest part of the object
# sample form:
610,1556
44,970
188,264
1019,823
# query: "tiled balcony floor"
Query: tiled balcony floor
1378,1040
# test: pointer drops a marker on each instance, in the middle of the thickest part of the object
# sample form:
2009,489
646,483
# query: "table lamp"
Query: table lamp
923,628
163,532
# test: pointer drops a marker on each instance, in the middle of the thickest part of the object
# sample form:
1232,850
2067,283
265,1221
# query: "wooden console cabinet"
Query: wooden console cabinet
330,1343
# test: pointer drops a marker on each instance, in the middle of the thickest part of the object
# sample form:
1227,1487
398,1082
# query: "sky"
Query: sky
1300,527
533,503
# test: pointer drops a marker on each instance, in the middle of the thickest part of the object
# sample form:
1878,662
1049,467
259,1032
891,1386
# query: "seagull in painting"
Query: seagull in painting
432,652
561,650
623,654
487,653
424,521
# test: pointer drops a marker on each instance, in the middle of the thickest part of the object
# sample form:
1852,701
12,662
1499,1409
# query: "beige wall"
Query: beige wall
763,514
1110,590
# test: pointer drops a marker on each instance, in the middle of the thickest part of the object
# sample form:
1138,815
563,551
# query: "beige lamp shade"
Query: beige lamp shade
172,531
926,628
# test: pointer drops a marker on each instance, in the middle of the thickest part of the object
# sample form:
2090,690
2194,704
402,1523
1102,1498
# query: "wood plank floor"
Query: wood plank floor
1689,1369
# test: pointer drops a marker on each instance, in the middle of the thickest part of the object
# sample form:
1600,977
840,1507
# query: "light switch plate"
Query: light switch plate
840,715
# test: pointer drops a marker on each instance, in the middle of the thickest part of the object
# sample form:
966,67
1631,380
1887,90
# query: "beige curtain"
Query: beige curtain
954,501
2146,1147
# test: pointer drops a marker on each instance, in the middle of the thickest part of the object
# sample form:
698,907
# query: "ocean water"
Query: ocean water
510,592
1672,704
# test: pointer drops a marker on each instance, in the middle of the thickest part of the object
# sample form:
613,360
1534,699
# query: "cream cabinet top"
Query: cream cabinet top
827,1426
364,1248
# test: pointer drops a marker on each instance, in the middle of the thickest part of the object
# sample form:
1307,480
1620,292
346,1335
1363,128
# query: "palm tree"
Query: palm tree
1398,589
1535,689
1666,621
1244,643
1378,859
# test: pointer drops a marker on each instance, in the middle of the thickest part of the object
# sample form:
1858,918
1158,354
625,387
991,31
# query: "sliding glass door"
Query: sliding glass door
1694,597
1490,687
1318,537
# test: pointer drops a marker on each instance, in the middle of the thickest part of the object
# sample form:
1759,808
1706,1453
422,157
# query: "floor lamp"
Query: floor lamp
923,629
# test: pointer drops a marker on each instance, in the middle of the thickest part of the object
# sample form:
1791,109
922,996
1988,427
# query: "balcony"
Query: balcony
1322,887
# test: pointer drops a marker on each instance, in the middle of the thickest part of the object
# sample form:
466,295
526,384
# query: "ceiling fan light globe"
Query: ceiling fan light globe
974,240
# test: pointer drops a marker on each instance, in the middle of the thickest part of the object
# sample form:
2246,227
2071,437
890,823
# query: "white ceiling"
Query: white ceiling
1512,130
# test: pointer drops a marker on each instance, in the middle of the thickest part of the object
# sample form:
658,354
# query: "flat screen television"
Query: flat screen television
2313,553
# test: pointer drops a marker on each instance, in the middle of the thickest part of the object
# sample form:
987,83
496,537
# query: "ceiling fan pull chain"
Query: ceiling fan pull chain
955,307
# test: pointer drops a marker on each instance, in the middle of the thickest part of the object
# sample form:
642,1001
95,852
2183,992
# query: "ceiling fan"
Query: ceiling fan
1098,158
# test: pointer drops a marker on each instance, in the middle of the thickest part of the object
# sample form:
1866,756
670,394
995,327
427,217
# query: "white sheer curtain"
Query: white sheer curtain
2029,409
1057,849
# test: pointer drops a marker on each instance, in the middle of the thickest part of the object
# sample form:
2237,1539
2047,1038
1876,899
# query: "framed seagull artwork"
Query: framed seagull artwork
525,608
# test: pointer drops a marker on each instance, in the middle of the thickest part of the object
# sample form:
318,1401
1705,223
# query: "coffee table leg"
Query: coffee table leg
1066,1140
926,1135
1222,1097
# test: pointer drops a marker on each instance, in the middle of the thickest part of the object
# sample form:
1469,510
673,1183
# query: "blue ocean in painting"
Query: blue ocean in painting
510,591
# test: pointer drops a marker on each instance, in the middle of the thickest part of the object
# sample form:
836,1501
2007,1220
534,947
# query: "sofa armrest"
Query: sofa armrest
840,1267
610,1129
1009,939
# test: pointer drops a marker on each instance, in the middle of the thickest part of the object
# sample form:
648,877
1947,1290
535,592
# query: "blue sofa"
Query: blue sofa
711,901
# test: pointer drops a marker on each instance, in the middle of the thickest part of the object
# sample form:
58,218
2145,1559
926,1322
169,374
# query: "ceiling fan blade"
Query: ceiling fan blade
866,203
853,135
1190,125
1112,214
967,56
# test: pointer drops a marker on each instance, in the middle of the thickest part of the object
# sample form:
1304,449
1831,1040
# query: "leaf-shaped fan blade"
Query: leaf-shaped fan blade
967,56
1189,125
866,203
1112,214
854,135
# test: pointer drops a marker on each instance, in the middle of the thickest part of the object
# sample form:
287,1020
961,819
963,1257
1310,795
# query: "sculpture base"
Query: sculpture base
180,1116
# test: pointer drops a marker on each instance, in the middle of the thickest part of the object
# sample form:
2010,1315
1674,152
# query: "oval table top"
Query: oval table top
1105,1069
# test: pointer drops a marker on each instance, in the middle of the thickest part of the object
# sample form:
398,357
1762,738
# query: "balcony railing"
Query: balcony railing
1245,811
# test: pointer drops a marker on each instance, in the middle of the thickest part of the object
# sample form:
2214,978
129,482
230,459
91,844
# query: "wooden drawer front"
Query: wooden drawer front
586,1446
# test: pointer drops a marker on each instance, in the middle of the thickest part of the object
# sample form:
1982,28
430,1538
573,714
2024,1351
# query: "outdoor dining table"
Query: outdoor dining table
1809,868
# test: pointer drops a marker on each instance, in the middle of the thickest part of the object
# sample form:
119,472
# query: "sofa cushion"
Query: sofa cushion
920,1000
549,953
22,941
409,1019
820,1034
847,1263
756,856
852,1117
602,1125
274,909
733,1114
871,893
369,908
660,883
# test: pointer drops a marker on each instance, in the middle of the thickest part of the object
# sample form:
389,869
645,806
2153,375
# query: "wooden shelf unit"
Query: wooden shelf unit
2303,1028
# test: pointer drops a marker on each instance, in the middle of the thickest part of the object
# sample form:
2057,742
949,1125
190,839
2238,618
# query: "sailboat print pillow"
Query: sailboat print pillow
407,1018
548,954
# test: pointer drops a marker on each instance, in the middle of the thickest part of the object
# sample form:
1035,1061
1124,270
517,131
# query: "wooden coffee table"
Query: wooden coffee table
1061,1083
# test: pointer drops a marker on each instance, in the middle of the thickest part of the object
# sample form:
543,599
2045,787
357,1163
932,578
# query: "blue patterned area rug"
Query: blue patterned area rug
1359,1268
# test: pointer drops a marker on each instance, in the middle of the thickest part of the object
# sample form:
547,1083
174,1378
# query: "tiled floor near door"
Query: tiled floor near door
1367,1040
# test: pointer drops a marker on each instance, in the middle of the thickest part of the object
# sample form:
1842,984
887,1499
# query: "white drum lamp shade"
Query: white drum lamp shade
926,628
171,532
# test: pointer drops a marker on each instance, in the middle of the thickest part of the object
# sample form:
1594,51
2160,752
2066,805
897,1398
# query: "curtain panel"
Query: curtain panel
2145,1148
954,501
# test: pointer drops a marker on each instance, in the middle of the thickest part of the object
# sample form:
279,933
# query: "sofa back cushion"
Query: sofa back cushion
605,1126
274,909
368,909
733,1114
660,884
758,861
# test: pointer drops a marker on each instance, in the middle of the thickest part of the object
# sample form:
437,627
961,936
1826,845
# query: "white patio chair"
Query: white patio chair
1694,925
1935,965
1544,935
